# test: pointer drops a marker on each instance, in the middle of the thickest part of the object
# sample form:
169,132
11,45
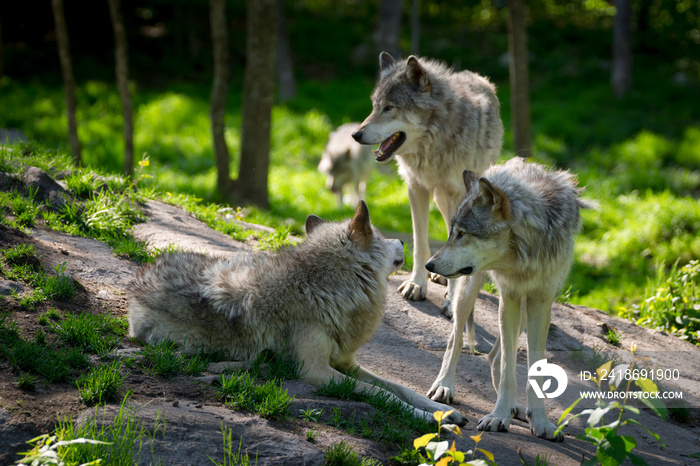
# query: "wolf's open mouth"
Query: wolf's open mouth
387,148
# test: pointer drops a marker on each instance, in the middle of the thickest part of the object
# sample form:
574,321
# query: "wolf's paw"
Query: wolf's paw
456,417
541,427
437,278
493,423
412,291
546,432
520,412
441,393
447,309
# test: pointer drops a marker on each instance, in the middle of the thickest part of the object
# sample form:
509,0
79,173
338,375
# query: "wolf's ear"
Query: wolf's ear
312,221
494,197
360,227
385,62
470,179
417,75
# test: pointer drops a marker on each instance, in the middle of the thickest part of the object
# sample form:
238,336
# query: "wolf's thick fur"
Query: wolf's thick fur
437,123
517,221
320,301
346,164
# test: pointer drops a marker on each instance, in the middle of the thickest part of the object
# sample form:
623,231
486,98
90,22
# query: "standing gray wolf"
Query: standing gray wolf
436,122
346,163
517,221
319,301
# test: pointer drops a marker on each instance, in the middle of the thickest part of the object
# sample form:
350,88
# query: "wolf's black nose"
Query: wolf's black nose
357,135
430,265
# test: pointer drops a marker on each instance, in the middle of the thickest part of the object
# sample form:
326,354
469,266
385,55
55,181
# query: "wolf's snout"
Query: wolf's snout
357,135
430,265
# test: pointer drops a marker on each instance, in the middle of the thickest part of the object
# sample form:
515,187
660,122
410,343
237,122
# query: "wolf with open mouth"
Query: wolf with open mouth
436,123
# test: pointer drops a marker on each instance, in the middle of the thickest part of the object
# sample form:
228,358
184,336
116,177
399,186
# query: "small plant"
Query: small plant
26,382
93,333
310,415
613,336
240,391
47,449
673,304
101,385
60,287
612,449
310,435
231,458
430,449
166,360
341,454
275,240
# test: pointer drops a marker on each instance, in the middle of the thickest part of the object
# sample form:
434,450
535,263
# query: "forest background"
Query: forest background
635,148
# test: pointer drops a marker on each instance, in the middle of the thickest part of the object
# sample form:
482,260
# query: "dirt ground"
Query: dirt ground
408,348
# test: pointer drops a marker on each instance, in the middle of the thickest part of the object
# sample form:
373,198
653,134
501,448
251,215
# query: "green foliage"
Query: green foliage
94,441
102,384
611,448
341,454
241,391
93,333
166,360
231,458
673,304
37,357
386,407
26,382
430,449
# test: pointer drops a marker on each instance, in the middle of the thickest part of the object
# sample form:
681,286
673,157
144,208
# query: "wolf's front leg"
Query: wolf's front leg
539,311
416,287
509,329
466,292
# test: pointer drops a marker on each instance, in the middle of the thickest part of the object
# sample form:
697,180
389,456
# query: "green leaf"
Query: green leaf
637,460
637,423
568,410
597,415
611,450
655,404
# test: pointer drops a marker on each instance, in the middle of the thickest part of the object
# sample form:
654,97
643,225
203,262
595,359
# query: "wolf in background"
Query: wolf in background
517,221
319,301
436,123
346,164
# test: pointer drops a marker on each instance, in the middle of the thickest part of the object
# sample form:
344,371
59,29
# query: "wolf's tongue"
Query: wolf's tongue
386,144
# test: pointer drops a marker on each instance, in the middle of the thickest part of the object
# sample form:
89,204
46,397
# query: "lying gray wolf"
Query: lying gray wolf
436,122
517,221
319,301
346,163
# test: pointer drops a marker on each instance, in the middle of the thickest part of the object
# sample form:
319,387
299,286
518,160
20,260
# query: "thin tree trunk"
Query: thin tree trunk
122,72
387,33
219,93
519,78
621,76
68,78
415,27
258,97
287,87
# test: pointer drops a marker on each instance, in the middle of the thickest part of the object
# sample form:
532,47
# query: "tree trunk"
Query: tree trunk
287,86
415,27
68,78
219,93
258,97
519,78
122,71
387,33
621,76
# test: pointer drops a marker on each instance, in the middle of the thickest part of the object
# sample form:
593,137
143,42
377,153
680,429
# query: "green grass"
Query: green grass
102,384
166,360
53,363
92,333
242,391
637,156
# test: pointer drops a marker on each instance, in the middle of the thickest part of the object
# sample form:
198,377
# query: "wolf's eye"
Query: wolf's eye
388,108
460,234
